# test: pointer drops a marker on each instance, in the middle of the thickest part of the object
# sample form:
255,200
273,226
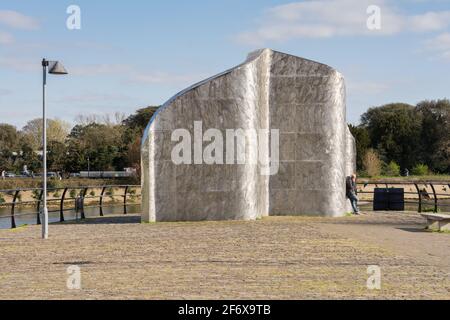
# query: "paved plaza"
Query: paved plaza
272,258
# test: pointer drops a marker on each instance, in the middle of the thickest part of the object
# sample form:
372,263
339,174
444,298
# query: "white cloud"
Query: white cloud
5,92
6,38
93,97
17,20
366,88
162,78
328,18
440,46
19,64
130,75
100,69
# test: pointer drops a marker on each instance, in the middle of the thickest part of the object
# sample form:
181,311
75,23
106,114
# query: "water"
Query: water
69,214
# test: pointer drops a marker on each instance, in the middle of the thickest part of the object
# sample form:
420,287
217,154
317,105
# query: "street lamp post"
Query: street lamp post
52,67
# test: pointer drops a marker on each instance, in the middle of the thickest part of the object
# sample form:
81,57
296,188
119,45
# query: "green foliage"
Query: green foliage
110,193
2,199
400,135
429,210
140,119
392,169
92,193
362,139
73,193
35,194
407,135
56,156
420,170
394,131
54,183
435,147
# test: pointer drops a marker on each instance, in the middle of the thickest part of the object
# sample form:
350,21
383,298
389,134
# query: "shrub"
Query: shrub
92,193
392,169
36,194
372,163
53,184
420,170
2,200
110,193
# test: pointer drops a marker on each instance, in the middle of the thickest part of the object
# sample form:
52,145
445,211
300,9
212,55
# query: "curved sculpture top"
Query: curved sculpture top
291,107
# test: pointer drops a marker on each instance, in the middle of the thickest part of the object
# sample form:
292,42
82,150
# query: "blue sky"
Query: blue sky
130,54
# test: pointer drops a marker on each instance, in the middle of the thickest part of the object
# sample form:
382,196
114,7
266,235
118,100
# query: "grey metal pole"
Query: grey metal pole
44,153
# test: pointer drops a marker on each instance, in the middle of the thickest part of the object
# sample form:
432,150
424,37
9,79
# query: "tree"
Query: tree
76,159
361,135
29,156
394,131
9,150
9,137
57,130
140,119
435,135
56,156
101,143
372,163
134,130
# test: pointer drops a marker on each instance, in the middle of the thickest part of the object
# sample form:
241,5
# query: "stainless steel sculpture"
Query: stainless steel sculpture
304,100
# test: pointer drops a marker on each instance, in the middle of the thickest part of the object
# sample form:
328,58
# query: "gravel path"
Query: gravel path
273,258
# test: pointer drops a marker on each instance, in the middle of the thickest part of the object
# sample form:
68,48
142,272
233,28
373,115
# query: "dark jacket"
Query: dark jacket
350,186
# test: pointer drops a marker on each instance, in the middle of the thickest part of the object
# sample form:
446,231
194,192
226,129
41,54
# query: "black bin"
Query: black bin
389,199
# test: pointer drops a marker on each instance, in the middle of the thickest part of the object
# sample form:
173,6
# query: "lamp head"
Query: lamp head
57,68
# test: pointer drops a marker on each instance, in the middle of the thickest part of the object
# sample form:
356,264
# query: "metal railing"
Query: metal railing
420,194
79,196
435,195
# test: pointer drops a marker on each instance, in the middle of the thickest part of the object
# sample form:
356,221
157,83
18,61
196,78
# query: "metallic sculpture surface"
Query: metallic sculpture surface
304,101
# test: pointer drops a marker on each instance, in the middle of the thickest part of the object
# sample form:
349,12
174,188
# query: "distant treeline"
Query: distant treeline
391,139
398,138
100,143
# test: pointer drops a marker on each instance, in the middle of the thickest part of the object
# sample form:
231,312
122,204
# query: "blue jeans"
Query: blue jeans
354,201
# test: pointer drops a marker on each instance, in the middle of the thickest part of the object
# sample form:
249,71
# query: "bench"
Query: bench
437,222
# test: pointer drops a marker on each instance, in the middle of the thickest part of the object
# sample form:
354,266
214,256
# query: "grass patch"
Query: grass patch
19,228
349,214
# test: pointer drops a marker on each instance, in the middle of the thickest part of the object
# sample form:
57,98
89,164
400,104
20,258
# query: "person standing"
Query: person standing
352,193
3,174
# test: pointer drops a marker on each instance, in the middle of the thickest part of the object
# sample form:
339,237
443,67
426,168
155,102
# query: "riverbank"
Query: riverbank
412,179
29,183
